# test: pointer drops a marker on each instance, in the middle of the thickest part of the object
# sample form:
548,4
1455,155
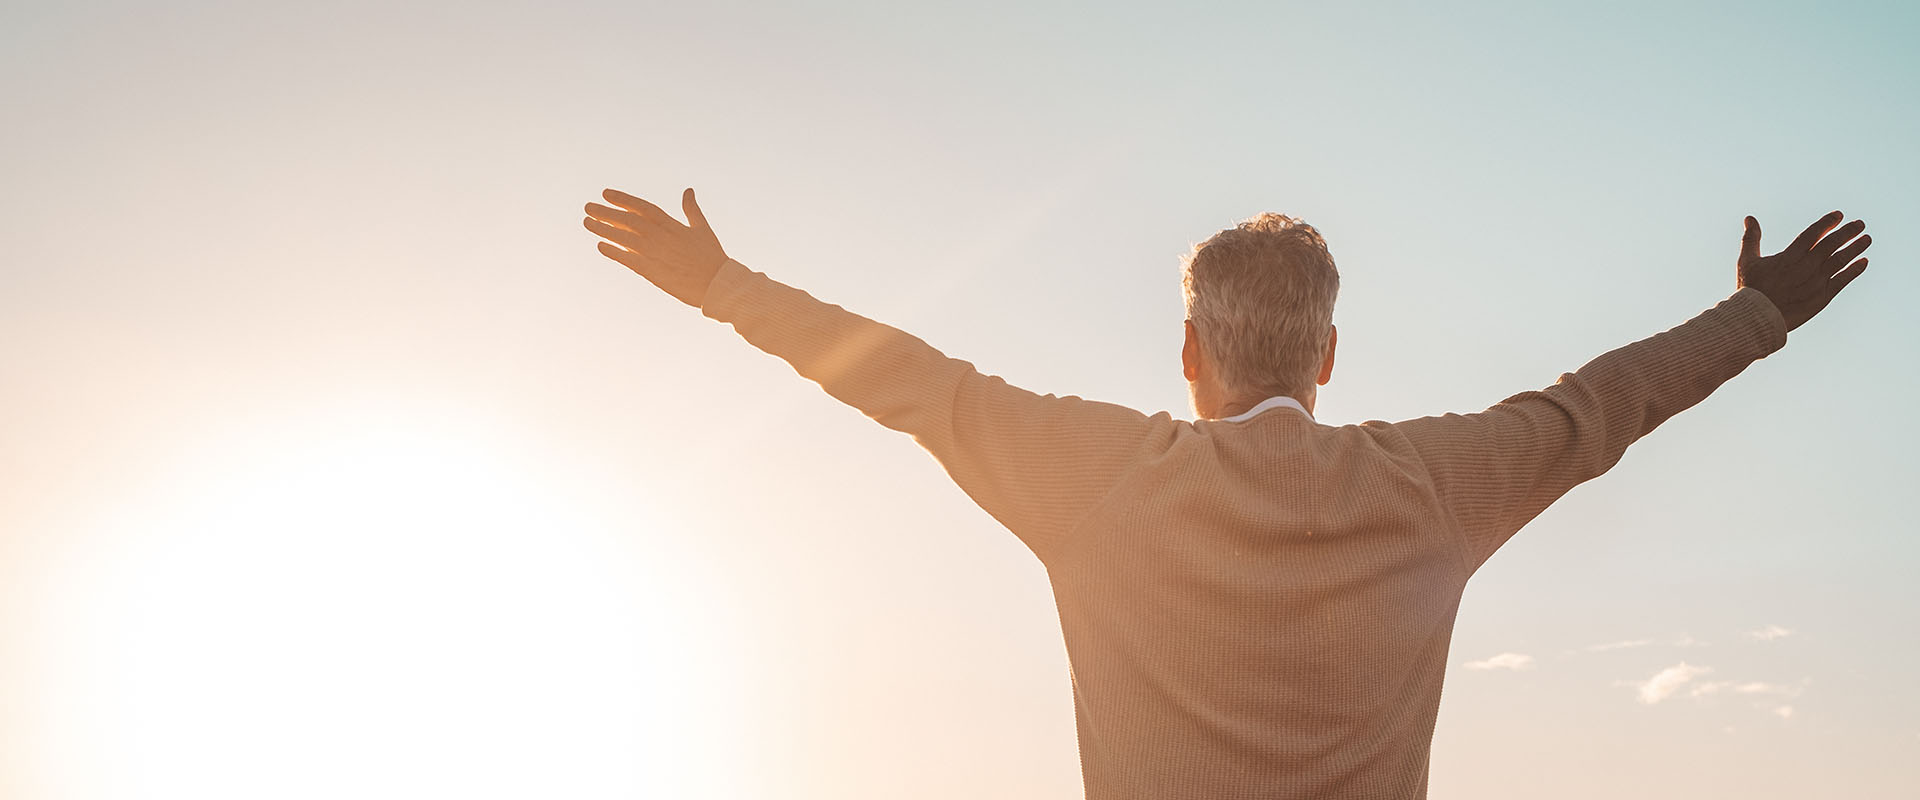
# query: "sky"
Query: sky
338,463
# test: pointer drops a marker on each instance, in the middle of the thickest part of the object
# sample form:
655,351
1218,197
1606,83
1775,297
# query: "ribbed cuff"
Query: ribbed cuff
724,293
1761,317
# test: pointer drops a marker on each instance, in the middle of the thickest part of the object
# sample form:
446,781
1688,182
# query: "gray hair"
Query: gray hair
1261,295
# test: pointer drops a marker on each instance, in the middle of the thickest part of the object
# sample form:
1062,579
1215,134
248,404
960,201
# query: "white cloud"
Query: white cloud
1621,645
1667,681
1770,633
1784,712
1708,687
1513,661
1762,687
1705,688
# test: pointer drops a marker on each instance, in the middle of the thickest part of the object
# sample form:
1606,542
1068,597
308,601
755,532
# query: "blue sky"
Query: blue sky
236,233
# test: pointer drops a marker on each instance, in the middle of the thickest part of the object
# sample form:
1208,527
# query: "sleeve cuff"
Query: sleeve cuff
1763,317
724,293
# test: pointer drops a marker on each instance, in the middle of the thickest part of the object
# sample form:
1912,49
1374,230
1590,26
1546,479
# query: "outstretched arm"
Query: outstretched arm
1498,469
1037,463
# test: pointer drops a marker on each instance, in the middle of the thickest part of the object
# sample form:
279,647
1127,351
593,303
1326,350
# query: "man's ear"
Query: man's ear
1190,354
1326,367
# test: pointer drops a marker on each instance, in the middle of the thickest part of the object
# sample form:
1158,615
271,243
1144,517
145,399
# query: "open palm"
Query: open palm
681,259
1803,278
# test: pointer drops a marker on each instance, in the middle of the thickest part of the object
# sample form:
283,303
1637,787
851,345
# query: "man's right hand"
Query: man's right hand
680,259
1803,278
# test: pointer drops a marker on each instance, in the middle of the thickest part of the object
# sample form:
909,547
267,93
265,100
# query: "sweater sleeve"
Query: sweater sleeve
1037,463
1498,469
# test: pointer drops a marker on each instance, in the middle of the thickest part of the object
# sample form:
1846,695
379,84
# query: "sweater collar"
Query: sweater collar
1276,401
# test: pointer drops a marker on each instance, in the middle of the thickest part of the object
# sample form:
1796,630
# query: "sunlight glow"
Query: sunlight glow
385,611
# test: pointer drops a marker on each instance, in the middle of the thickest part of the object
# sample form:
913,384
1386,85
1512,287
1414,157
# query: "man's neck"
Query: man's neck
1242,405
1233,408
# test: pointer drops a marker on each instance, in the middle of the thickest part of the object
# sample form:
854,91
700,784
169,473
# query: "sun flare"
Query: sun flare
394,610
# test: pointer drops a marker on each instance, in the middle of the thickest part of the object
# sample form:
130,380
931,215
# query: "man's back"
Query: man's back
1262,610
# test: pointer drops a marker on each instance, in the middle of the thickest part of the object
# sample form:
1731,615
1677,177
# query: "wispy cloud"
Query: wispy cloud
1770,633
1749,687
1512,661
1620,645
1708,687
1667,681
1784,712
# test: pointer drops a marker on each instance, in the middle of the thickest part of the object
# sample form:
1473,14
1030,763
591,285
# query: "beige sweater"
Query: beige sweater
1255,609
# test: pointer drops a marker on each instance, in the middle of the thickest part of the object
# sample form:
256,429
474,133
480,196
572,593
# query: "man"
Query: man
1255,605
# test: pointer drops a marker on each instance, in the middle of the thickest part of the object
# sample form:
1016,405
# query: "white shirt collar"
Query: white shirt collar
1271,402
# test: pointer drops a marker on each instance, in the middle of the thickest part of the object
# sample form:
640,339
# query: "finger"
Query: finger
622,218
1840,236
636,205
620,236
1814,232
1750,242
1850,252
695,218
1843,277
641,265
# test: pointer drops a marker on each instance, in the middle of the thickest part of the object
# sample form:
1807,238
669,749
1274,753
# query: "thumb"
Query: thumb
692,209
1749,242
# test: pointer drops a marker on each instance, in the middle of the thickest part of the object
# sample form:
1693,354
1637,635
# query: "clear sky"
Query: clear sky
337,463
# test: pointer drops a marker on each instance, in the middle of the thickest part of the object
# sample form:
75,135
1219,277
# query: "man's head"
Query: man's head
1259,314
